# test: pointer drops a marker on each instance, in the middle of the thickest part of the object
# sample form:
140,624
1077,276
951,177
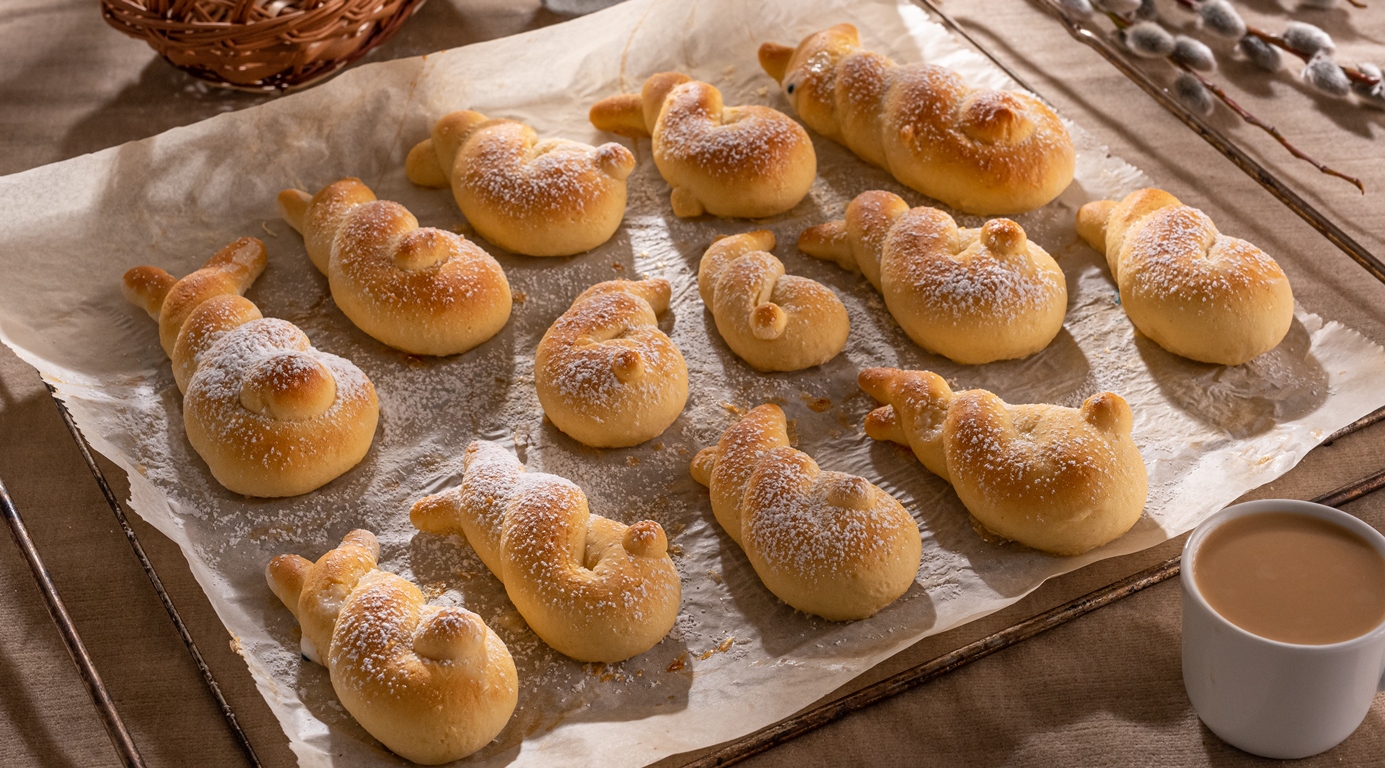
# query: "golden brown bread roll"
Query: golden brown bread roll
592,588
826,543
538,197
774,321
1194,291
269,413
432,684
747,161
1062,480
425,291
972,295
979,151
606,375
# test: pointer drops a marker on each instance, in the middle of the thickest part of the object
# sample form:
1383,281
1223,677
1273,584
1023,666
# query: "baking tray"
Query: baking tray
821,715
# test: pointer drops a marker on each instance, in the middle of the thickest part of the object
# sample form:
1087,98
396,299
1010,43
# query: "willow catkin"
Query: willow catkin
1308,39
1260,53
1221,19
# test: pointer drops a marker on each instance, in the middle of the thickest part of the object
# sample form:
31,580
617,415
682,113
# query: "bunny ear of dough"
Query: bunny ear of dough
269,413
826,543
1061,480
432,684
605,374
773,321
746,161
971,295
979,151
592,588
1194,291
421,290
537,197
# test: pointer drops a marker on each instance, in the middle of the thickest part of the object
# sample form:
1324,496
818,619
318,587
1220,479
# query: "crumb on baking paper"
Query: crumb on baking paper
678,664
732,408
265,226
722,647
519,297
632,461
714,576
236,646
816,404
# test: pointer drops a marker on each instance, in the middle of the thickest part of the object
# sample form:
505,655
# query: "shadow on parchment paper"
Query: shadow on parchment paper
1006,567
1245,400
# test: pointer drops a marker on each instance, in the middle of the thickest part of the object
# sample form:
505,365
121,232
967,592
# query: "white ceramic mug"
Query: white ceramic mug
1274,699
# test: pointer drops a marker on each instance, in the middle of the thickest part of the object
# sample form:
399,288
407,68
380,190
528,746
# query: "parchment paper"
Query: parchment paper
738,658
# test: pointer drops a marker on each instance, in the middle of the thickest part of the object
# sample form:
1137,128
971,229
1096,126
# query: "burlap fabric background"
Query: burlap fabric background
1104,690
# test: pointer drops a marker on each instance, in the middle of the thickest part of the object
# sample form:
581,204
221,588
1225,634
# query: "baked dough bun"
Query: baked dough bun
592,588
826,543
269,413
424,291
1061,480
1194,291
538,197
432,684
971,295
748,161
979,151
606,375
771,320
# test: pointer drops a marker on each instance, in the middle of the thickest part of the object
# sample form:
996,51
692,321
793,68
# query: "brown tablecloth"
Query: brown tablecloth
1103,690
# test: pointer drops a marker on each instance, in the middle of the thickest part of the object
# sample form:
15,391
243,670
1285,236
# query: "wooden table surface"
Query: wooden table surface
1103,690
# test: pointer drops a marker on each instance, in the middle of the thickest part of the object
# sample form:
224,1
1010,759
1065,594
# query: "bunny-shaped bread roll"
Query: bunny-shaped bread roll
826,543
747,161
1061,480
979,151
270,414
538,197
972,295
774,321
425,291
432,684
606,375
1194,291
592,588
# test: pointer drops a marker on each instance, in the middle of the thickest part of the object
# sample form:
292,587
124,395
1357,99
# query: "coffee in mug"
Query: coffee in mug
1292,578
1283,625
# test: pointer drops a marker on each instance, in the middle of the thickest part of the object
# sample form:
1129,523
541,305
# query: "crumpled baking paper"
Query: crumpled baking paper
738,658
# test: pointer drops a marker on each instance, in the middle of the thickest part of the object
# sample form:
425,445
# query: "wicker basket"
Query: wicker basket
260,45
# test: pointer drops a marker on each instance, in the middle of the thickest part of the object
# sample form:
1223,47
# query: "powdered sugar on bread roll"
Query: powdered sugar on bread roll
538,197
432,684
1194,291
1061,480
772,320
979,151
826,543
592,588
972,295
269,413
425,291
606,375
747,161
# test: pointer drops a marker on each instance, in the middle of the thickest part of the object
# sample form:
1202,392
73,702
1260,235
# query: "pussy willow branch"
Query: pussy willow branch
1267,128
1216,90
1279,42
